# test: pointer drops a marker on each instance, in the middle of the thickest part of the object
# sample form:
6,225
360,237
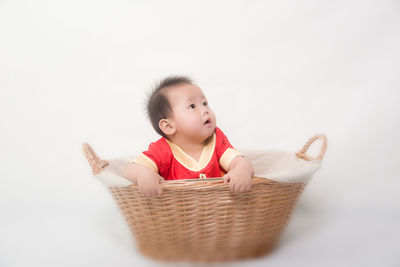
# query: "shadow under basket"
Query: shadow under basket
201,219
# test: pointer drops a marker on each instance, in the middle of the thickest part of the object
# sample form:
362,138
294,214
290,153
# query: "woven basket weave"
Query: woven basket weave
201,220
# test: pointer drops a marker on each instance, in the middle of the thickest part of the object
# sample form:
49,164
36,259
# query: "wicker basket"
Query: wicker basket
201,220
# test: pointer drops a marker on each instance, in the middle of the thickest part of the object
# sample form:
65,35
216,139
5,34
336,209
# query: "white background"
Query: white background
275,73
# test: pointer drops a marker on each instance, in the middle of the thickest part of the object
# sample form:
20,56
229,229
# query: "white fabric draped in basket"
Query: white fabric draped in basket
280,166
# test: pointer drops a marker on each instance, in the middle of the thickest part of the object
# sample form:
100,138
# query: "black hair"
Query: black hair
158,106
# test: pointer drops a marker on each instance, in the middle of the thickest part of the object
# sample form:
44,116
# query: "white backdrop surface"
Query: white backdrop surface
275,73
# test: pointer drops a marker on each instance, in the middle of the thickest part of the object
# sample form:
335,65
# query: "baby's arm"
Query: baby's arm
240,174
147,180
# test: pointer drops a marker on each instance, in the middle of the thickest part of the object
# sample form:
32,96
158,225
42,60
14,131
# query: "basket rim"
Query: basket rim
209,183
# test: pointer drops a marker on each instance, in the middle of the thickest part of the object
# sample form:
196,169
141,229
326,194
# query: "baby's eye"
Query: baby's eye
192,106
205,103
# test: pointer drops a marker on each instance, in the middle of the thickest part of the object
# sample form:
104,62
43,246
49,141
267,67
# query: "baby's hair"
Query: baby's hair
158,106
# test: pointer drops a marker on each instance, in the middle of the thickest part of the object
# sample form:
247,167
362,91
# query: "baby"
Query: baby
191,146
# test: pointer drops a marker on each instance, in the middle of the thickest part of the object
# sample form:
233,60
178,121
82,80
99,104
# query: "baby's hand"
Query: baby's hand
149,184
240,177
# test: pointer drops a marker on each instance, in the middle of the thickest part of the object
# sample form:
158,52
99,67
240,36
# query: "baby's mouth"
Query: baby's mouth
207,121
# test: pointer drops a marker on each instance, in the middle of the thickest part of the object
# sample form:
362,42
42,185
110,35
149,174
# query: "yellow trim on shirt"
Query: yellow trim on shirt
227,157
190,163
143,160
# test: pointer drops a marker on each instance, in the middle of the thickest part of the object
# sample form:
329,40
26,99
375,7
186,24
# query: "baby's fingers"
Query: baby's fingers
240,188
155,191
159,190
244,187
226,178
232,185
249,185
148,192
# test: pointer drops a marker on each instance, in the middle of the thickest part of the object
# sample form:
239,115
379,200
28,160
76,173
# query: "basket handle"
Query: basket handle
95,162
302,153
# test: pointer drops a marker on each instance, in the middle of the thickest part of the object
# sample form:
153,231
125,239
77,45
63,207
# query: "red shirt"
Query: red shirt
172,163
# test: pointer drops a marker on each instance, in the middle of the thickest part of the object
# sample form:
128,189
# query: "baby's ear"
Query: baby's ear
167,126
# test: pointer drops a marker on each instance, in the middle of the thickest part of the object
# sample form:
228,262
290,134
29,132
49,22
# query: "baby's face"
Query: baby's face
192,116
